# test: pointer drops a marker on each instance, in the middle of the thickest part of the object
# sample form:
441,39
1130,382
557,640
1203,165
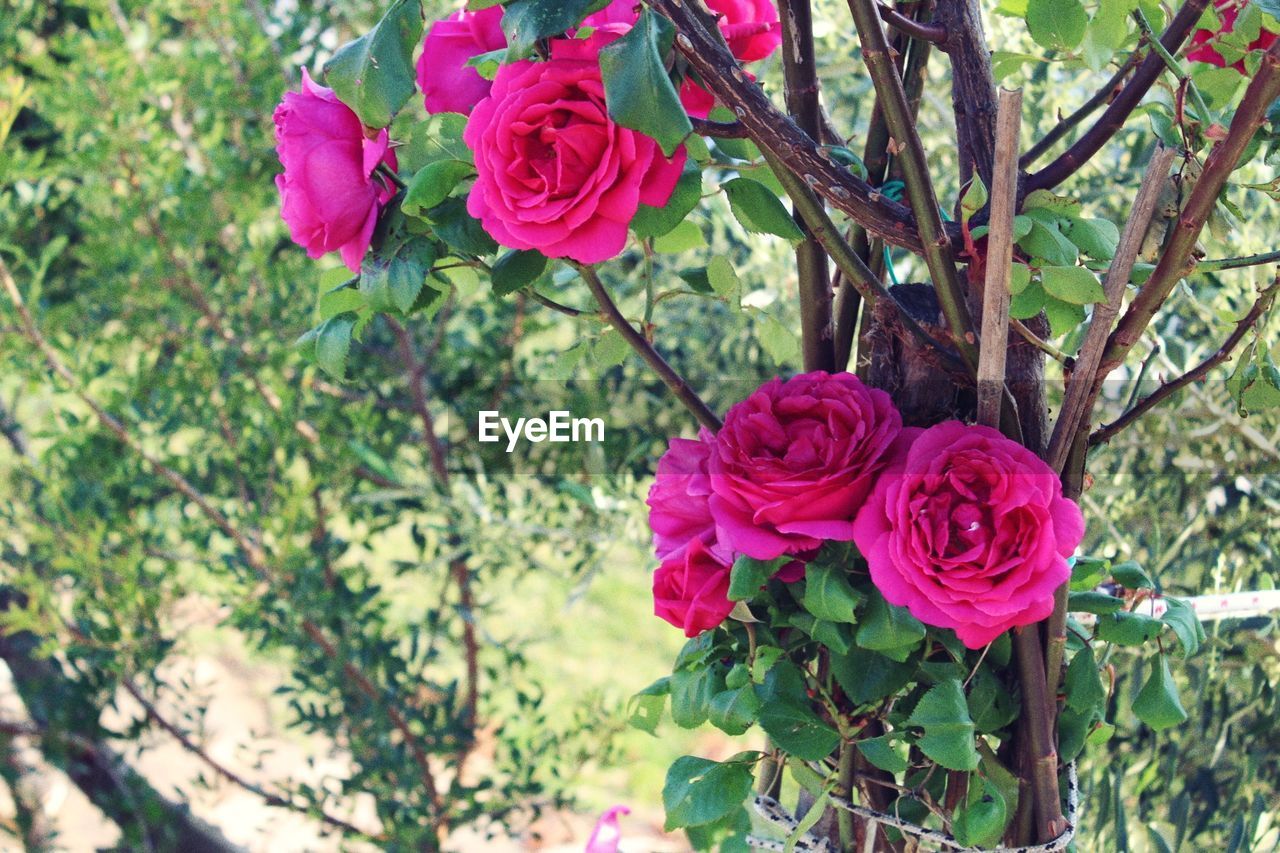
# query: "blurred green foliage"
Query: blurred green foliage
138,213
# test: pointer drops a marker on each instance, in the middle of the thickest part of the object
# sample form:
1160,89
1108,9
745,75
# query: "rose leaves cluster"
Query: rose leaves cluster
965,528
554,171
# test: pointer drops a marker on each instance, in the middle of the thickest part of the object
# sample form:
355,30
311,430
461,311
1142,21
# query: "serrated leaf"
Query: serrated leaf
340,301
887,629
611,349
748,575
1128,629
644,711
516,269
524,22
433,183
699,791
1063,316
779,341
392,276
723,278
656,221
685,236
948,736
828,594
759,211
1132,576
333,342
1097,238
374,75
798,731
881,752
734,711
1019,278
866,676
1057,24
637,88
1157,703
1094,602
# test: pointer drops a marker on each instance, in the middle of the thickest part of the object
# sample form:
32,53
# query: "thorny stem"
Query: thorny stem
673,380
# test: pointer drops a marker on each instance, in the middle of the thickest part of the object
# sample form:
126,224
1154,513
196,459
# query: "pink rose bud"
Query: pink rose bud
329,195
1228,11
968,530
691,590
448,84
794,462
605,837
554,173
751,27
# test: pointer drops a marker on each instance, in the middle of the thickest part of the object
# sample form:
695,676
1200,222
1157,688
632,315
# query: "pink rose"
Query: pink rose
679,507
554,173
329,196
606,835
1228,11
750,27
691,590
448,84
795,461
969,530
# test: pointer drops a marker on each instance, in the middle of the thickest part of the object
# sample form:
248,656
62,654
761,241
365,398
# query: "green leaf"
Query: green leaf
699,791
611,349
1157,702
974,199
656,221
749,575
1076,285
392,276
992,706
798,731
733,711
524,22
828,595
1028,303
333,342
433,183
691,693
1094,602
637,87
981,824
890,630
1019,278
1088,572
1057,24
866,676
1130,575
1085,692
1047,242
644,711
685,236
516,269
1185,624
1063,316
948,736
882,753
374,75
1128,629
460,231
1097,238
724,279
340,301
779,341
759,210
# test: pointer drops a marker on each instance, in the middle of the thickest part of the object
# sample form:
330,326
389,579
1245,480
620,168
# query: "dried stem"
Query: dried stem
995,292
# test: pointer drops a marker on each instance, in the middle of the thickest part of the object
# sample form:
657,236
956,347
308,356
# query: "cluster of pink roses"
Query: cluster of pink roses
1203,49
554,172
966,528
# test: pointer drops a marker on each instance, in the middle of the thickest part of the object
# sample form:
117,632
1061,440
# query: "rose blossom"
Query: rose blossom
448,84
691,590
751,27
1228,11
795,460
554,172
606,835
969,530
679,508
329,196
